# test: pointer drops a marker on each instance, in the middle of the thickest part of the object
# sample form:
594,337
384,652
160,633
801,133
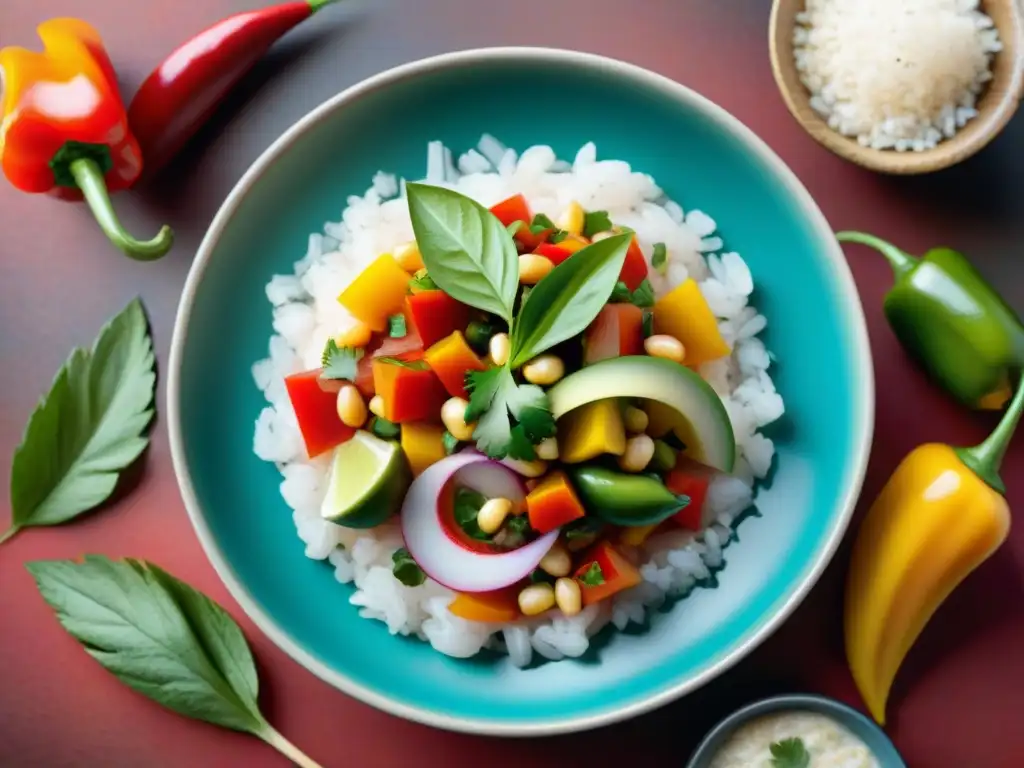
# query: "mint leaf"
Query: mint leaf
87,428
790,753
659,258
596,221
466,249
339,362
405,569
397,327
162,638
593,576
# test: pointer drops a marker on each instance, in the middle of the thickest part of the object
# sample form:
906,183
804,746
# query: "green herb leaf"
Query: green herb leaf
449,442
87,428
413,365
647,323
529,405
467,506
405,569
339,362
494,398
514,227
482,387
422,281
384,429
396,327
565,302
542,221
582,529
520,446
593,576
659,258
596,221
621,294
518,524
558,236
162,638
643,296
790,753
466,250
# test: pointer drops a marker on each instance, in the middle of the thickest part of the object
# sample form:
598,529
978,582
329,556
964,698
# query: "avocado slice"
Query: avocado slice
711,442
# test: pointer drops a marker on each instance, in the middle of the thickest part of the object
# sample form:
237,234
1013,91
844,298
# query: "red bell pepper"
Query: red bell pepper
186,88
617,331
435,314
690,478
553,253
512,210
553,503
617,572
450,360
634,269
317,413
409,389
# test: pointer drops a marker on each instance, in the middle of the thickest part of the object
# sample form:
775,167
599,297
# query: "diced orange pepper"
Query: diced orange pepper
451,359
377,293
435,314
423,445
553,503
618,573
617,331
684,313
409,389
497,607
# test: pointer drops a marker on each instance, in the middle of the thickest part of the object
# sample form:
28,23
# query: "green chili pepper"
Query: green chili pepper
952,321
620,498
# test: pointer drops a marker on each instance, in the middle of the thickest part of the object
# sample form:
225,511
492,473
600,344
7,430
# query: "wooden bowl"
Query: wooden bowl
996,106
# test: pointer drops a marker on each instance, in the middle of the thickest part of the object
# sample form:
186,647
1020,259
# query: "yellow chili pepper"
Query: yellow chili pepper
939,517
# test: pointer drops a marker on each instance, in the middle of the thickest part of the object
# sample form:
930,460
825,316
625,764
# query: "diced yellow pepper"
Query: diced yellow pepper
572,219
635,535
684,314
377,293
423,445
591,430
573,244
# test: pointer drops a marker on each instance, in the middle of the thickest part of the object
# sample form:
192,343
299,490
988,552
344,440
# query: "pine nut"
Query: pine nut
499,346
638,454
572,219
557,561
568,596
544,370
351,407
663,345
635,419
492,514
377,406
536,599
453,414
533,268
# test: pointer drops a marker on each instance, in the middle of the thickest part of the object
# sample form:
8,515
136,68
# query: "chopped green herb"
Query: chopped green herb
467,506
422,281
596,221
415,365
593,576
558,236
621,294
648,323
514,227
543,221
790,753
406,569
643,296
397,327
510,417
581,529
478,335
339,362
540,576
450,443
518,524
659,259
384,429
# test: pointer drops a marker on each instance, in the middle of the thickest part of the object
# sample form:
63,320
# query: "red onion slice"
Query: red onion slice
445,561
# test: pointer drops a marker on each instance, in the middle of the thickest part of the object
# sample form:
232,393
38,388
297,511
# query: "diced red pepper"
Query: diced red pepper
435,314
553,503
316,411
528,241
617,331
514,209
690,478
553,252
634,269
618,573
450,360
410,390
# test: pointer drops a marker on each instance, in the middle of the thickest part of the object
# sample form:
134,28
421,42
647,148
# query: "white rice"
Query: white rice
895,74
306,313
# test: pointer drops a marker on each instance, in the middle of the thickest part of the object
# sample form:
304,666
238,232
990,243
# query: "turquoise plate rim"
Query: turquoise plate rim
851,312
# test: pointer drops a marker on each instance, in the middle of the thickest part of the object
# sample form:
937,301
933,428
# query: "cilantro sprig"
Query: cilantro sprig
511,418
340,362
790,753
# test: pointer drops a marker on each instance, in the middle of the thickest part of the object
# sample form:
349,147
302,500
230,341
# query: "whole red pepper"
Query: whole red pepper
183,91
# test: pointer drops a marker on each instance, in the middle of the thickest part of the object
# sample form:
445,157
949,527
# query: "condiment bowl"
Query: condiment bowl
697,152
997,104
860,726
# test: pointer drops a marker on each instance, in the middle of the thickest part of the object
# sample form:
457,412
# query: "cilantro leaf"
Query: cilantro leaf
493,431
582,529
518,524
596,221
482,387
466,508
620,294
407,570
495,399
593,576
659,258
790,753
643,296
558,236
529,405
422,281
339,362
397,327
520,446
543,221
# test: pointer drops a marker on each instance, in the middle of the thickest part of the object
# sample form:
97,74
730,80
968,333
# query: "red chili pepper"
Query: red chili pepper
182,93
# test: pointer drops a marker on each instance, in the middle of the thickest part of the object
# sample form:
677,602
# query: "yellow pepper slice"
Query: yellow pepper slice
684,313
377,293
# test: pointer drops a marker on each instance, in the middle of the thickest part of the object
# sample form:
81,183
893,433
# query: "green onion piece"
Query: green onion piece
397,326
405,568
384,429
659,259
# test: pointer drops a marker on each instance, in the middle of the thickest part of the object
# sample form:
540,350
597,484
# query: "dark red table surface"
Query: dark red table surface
959,701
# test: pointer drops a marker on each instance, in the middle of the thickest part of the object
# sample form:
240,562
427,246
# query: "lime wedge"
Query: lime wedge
369,478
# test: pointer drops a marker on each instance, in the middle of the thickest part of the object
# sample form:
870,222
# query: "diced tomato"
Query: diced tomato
634,269
499,606
553,503
435,314
317,413
410,391
617,331
618,573
555,253
514,209
690,478
450,360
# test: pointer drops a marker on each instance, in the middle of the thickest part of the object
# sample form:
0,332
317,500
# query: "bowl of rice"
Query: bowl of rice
709,206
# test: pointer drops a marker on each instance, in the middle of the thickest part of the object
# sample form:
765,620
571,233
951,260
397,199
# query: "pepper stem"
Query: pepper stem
89,177
316,5
986,458
900,261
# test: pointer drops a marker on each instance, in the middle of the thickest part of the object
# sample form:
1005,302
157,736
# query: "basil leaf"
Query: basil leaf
162,638
87,428
565,302
466,250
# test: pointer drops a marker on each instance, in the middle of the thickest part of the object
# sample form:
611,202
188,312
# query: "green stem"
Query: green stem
316,5
900,261
985,459
9,533
286,748
89,177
